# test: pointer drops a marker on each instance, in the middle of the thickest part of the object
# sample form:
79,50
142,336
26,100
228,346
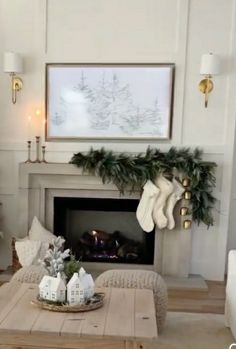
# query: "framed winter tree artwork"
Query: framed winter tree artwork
109,101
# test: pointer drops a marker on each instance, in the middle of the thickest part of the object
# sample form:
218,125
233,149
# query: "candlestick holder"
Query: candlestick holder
29,161
37,150
43,154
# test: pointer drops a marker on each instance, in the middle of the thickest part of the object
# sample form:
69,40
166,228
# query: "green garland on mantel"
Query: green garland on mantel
130,172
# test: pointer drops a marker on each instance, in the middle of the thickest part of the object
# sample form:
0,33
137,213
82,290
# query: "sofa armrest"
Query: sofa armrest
232,263
15,260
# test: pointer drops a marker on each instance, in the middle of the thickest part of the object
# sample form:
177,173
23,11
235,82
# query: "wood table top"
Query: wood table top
128,316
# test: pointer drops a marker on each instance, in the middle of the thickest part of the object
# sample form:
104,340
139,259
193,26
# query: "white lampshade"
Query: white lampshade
210,64
13,63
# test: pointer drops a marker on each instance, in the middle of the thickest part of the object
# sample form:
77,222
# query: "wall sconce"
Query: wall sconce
210,65
13,64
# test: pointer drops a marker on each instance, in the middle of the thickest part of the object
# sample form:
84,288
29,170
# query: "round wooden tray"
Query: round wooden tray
95,302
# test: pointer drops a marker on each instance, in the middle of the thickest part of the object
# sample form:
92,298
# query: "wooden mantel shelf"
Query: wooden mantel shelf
48,168
64,169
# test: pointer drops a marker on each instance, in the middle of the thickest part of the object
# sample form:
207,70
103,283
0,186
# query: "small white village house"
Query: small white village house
75,290
80,288
52,289
89,285
87,282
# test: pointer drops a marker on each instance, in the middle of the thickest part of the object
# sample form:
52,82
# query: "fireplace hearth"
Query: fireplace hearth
103,230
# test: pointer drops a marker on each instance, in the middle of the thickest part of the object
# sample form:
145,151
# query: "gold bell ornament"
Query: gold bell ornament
187,195
183,211
186,182
187,224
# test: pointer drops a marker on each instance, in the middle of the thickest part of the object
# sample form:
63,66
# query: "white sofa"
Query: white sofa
230,303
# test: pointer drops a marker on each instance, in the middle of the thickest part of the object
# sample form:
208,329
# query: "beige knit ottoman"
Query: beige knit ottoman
31,274
139,279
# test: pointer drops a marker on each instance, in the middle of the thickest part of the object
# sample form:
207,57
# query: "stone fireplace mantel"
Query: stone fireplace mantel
40,183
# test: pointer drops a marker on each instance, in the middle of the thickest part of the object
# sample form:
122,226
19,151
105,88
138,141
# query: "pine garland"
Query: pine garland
130,172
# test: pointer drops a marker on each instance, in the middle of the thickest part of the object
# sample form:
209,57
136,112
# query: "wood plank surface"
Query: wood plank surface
95,321
145,317
48,323
130,345
212,301
72,324
47,341
120,317
11,303
7,291
91,323
109,327
23,314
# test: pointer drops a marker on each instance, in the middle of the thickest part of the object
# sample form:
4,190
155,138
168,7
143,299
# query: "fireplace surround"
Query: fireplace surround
40,184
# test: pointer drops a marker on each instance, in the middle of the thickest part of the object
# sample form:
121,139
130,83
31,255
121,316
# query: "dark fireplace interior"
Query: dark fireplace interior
103,230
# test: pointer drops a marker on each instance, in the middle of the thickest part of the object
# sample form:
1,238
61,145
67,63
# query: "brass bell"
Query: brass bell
187,195
187,224
183,211
186,182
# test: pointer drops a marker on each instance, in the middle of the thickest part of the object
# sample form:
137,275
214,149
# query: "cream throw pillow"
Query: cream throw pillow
39,233
33,248
28,251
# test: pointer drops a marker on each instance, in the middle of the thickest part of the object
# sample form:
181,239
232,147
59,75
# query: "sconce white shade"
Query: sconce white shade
13,63
210,64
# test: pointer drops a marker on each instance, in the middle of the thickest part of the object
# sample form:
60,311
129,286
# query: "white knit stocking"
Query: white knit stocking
166,188
171,202
145,206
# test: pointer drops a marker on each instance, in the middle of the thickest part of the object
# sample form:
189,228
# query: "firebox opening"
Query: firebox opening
103,230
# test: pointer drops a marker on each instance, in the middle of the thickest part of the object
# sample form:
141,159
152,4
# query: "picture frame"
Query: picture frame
109,101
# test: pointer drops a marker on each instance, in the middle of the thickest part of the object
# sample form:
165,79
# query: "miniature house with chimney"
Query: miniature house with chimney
87,282
52,289
80,288
75,290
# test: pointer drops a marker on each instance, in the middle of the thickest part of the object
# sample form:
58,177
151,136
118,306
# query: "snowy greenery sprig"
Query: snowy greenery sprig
130,172
54,258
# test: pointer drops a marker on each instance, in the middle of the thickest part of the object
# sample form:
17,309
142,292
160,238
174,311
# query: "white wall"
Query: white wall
125,31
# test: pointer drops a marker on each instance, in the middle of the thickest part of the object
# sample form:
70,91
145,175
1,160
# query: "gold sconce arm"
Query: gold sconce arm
16,85
206,86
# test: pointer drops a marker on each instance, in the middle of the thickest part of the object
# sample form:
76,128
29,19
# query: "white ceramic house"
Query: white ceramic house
75,290
87,282
80,288
90,286
52,289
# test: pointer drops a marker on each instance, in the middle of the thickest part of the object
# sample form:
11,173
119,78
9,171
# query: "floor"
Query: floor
210,301
194,331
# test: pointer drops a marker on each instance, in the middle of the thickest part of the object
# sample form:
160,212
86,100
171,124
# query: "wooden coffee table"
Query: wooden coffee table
126,321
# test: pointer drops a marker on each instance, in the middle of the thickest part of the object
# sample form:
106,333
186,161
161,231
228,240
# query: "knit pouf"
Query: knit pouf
31,274
139,279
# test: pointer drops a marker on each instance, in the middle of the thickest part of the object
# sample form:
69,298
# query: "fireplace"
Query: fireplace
40,184
103,230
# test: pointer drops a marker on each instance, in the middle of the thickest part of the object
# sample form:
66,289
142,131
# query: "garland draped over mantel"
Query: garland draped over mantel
130,172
